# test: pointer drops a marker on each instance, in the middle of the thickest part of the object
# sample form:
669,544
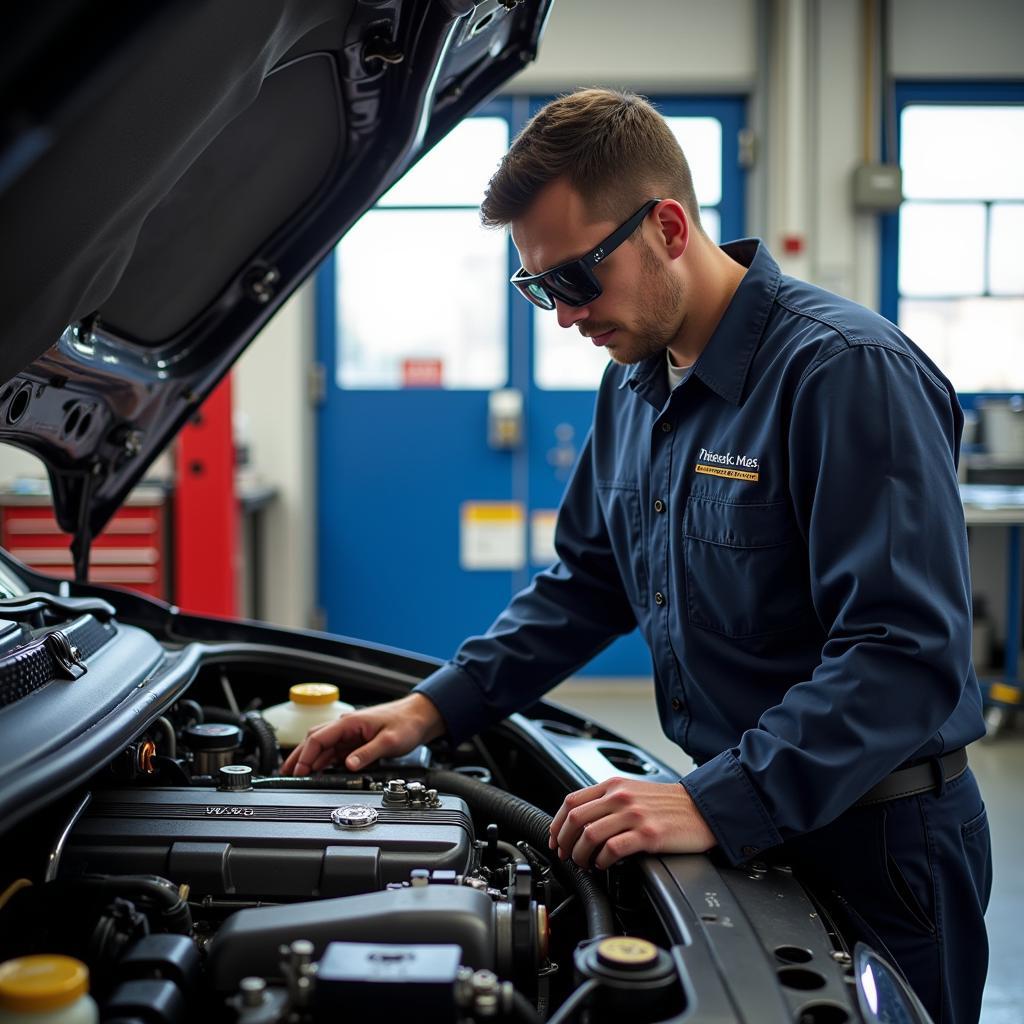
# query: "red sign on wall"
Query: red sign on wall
421,373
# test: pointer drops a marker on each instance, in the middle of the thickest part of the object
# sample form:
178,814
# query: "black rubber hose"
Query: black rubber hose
187,704
174,912
266,741
267,752
211,713
574,1002
524,1010
522,817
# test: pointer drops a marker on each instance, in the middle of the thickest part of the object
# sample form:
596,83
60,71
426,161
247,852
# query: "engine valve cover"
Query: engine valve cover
268,844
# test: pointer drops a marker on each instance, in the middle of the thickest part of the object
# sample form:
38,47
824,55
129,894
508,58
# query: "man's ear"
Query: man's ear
673,227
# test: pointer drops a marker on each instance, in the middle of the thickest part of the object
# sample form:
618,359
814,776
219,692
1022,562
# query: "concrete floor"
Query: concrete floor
627,706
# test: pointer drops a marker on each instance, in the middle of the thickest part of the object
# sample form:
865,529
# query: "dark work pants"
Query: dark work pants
912,875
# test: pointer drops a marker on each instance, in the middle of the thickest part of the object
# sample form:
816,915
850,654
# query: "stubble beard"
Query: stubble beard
659,317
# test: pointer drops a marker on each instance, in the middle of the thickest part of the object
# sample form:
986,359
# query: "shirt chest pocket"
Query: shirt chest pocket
746,568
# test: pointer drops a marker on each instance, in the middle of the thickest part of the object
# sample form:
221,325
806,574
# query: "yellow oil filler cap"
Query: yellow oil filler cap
33,984
313,693
626,952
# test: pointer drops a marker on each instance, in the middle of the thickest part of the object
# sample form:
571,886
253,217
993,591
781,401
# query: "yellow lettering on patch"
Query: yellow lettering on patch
731,474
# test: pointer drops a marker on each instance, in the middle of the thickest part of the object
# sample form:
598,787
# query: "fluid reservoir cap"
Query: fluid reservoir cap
213,736
313,693
624,952
235,777
32,984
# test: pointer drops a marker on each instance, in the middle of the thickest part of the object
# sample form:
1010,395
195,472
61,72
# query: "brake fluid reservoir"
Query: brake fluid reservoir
310,704
46,989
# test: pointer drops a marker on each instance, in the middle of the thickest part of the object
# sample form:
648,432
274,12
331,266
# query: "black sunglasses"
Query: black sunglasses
574,281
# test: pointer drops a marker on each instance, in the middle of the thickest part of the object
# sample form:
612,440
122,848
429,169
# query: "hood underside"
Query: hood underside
171,172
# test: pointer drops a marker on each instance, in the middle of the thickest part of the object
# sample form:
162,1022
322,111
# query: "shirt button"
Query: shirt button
666,427
749,851
659,505
659,597
676,703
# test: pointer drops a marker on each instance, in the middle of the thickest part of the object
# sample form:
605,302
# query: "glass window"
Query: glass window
962,151
421,285
942,249
422,301
701,141
456,171
712,223
960,276
1004,256
975,341
563,359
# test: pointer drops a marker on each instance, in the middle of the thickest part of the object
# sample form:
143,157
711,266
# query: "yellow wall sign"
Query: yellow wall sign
492,535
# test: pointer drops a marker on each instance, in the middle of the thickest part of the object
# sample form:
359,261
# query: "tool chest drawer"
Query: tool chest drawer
132,551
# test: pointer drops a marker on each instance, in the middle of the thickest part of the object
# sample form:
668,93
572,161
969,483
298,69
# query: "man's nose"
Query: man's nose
569,315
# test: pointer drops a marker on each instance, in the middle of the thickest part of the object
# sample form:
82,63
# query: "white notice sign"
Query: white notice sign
492,535
542,536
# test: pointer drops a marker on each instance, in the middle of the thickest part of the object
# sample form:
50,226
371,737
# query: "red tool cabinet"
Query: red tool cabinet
132,551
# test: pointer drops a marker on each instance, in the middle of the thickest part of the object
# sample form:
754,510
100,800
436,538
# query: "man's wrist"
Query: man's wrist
429,717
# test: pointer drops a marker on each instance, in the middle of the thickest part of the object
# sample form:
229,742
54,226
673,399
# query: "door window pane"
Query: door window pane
456,171
1006,264
942,249
422,299
962,151
701,140
977,342
712,223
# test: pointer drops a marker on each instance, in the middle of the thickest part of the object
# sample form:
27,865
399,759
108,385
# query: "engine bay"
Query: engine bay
192,879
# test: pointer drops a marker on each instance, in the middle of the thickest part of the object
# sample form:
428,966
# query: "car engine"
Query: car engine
149,835
189,876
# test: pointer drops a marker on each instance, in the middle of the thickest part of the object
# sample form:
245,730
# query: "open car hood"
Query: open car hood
171,172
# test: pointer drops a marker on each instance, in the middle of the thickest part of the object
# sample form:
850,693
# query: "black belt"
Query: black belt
918,778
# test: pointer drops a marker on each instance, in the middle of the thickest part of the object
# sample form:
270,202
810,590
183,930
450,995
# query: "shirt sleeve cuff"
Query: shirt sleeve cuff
731,807
463,707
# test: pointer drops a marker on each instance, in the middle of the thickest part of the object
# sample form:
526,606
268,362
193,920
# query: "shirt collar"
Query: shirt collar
725,362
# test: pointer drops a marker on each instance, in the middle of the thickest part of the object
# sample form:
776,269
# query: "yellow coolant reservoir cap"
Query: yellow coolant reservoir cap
43,982
313,693
621,951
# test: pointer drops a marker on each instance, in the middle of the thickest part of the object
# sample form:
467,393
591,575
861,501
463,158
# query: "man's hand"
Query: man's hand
624,816
359,737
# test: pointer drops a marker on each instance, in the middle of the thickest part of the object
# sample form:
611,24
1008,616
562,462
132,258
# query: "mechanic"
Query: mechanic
769,492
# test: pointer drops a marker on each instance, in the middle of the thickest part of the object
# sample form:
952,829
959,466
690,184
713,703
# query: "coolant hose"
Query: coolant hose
266,741
522,817
175,915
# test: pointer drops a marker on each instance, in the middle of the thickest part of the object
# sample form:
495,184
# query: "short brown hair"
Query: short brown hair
613,147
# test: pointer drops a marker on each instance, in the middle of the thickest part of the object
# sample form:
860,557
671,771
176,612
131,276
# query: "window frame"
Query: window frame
912,93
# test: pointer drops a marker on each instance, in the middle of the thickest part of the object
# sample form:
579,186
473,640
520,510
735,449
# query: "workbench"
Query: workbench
1002,505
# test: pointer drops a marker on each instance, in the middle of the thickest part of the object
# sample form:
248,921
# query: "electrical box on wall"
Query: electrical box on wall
878,187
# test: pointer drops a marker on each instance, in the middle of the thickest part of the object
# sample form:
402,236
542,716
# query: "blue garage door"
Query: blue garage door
453,412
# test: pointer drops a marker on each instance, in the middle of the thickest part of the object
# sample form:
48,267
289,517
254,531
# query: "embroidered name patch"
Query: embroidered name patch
730,465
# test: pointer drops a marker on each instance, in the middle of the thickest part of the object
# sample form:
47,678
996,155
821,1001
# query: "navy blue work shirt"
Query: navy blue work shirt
785,528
